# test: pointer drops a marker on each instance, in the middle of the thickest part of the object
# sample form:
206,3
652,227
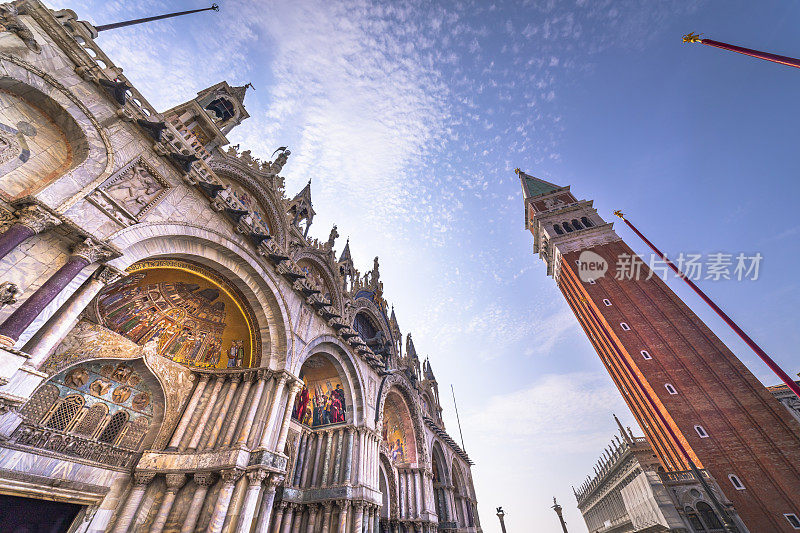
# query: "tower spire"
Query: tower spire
115,25
622,430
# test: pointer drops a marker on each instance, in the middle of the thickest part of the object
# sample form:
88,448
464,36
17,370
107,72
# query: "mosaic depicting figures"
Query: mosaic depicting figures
193,321
322,400
33,150
397,432
314,278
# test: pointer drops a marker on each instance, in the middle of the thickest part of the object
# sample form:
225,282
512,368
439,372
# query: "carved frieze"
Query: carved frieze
131,192
90,341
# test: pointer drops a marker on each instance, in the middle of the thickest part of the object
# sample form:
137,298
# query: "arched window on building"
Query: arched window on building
694,520
567,227
586,222
63,415
576,224
709,516
558,229
114,427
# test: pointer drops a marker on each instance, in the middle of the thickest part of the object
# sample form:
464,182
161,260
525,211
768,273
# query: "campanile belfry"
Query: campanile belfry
692,397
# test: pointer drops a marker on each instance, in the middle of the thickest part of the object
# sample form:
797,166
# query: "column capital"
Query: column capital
313,507
343,504
328,506
231,476
36,218
358,505
275,480
236,378
351,430
91,251
175,481
143,478
283,505
296,387
255,477
107,275
204,479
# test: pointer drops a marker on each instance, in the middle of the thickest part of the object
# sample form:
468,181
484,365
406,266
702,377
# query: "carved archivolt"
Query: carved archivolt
90,341
400,383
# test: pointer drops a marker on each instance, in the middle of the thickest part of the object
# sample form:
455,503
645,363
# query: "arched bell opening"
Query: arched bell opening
103,410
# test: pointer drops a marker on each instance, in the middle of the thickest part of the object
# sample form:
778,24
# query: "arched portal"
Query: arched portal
397,433
323,399
194,316
439,482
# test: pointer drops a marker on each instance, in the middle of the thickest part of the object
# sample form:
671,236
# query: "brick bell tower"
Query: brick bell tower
690,394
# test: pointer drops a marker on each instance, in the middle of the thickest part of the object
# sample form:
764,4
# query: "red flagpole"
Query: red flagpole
744,336
766,56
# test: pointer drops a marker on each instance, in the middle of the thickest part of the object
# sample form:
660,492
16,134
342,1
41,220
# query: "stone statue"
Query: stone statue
276,166
9,291
10,21
331,238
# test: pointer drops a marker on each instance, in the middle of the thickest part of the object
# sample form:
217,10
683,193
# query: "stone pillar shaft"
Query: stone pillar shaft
201,424
254,487
237,413
222,415
47,338
287,414
301,452
15,235
287,519
326,518
25,314
358,517
311,459
187,414
251,411
199,496
276,527
229,478
174,483
266,433
327,464
348,458
343,505
128,512
338,453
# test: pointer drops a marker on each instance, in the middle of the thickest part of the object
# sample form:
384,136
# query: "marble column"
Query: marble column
327,461
203,480
287,518
188,412
418,505
223,412
426,502
344,505
62,322
358,517
326,516
313,511
267,502
369,518
359,473
348,458
279,512
287,414
250,417
237,411
254,479
266,433
298,518
140,482
229,478
302,448
83,255
338,454
201,424
311,459
174,483
32,219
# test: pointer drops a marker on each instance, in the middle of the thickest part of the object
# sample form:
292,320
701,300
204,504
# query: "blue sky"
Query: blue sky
410,118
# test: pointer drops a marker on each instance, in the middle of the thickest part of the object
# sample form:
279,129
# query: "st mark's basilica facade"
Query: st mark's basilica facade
177,353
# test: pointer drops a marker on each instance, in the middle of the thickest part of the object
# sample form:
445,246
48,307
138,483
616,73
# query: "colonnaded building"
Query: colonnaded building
178,354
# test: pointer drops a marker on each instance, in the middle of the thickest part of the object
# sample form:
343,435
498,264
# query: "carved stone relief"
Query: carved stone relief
131,192
177,382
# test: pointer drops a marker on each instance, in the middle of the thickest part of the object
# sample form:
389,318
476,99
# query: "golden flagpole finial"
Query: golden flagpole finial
619,214
517,171
691,38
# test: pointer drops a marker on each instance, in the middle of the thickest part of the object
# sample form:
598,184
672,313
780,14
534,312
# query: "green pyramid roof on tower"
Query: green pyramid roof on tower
532,186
